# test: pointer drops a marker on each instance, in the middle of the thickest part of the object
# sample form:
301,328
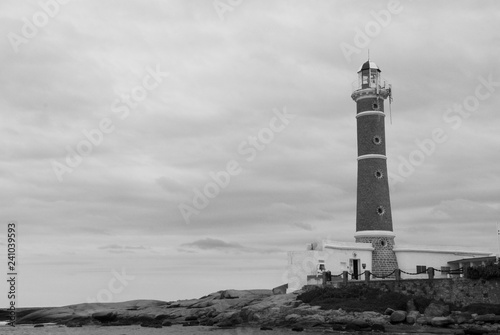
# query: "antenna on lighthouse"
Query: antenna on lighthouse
390,102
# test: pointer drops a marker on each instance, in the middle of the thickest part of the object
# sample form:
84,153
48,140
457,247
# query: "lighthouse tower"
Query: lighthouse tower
373,212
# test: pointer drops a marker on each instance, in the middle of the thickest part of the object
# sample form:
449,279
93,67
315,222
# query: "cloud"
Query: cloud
213,244
302,225
115,248
208,244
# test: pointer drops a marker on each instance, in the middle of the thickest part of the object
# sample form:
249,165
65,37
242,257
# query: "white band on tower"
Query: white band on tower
371,156
374,233
379,113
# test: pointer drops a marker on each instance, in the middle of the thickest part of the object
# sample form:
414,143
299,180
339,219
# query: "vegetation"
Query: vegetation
488,271
359,298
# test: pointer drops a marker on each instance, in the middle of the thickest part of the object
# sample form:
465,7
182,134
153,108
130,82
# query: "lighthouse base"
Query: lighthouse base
384,260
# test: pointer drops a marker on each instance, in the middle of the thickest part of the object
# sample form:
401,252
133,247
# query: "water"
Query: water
138,330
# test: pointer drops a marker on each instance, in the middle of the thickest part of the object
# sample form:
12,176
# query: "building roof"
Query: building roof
347,245
369,65
441,249
474,259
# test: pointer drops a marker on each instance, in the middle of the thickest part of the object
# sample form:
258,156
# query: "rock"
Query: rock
410,306
166,323
190,318
460,318
398,316
361,323
313,319
39,325
265,328
475,330
298,329
151,325
352,327
105,317
412,317
389,311
423,320
292,317
337,326
435,309
491,318
376,327
440,321
73,324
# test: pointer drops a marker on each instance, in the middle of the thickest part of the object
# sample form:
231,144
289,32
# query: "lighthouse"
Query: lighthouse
373,206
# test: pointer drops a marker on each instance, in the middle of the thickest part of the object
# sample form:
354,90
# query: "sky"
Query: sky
170,149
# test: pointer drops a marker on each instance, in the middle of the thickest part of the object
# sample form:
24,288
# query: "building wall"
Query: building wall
305,263
458,291
409,259
300,265
338,260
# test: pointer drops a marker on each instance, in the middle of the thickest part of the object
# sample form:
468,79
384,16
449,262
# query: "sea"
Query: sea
138,330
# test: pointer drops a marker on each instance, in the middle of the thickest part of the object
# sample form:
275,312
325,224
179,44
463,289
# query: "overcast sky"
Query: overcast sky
170,92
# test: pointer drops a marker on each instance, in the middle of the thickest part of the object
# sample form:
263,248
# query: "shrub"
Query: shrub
488,271
354,298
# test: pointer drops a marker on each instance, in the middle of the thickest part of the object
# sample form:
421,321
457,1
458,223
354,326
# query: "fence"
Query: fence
327,277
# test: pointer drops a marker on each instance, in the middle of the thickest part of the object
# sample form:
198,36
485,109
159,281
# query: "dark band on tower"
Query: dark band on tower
373,208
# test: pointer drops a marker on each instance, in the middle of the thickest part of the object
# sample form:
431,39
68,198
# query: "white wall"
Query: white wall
300,265
409,259
338,260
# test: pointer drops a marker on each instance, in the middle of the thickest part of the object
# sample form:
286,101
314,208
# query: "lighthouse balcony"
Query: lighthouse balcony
378,92
377,86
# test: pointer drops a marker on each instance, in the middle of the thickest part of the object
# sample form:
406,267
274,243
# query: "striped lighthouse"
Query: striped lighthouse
373,207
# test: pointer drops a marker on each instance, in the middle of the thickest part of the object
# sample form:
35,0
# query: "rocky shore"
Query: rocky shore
264,310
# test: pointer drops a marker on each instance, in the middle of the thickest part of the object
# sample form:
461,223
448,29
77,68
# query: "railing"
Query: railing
396,274
382,83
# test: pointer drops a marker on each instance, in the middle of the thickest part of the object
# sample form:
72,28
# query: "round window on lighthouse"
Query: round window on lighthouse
379,174
375,106
377,140
380,210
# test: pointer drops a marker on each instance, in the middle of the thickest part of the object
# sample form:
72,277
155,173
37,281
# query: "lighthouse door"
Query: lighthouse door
355,268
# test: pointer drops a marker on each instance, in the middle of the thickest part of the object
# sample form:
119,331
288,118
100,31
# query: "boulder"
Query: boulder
376,327
398,316
435,309
292,317
105,316
476,330
410,306
337,326
490,318
441,321
412,317
361,323
298,329
352,327
461,317
388,311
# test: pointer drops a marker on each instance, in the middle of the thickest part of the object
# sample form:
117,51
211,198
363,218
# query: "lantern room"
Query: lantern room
368,75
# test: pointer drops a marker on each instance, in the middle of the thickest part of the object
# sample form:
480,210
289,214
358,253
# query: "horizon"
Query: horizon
168,150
